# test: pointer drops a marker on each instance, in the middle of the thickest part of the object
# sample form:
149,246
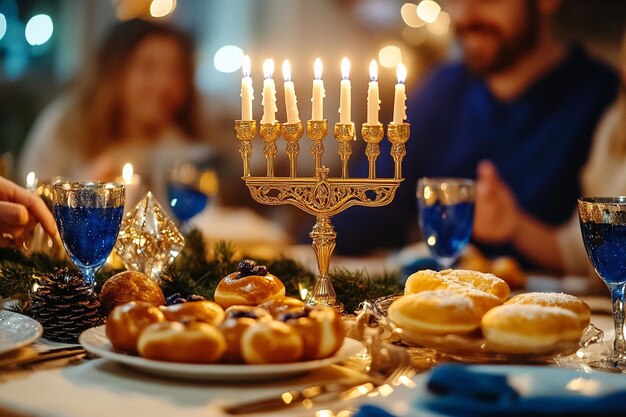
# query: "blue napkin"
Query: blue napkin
457,390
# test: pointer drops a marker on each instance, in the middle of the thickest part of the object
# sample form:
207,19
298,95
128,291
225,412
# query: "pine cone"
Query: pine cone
65,306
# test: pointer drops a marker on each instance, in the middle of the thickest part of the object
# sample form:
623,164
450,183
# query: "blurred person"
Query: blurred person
136,102
20,210
521,98
499,217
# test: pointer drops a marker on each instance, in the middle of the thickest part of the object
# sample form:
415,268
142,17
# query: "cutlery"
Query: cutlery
52,354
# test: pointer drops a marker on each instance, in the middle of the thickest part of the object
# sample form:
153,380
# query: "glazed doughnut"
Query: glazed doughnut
525,328
552,299
278,306
271,342
127,321
249,290
430,280
238,320
204,311
189,342
130,286
320,327
435,312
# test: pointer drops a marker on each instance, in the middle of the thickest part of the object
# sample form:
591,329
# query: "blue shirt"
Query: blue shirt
538,141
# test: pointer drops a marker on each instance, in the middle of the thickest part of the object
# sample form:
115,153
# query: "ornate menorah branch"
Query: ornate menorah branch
323,196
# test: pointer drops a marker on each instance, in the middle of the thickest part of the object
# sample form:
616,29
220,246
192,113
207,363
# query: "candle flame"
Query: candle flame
127,173
31,180
401,72
268,68
317,69
373,70
245,66
286,71
345,68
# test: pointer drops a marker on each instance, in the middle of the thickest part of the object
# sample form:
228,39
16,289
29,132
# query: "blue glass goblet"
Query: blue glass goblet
603,226
190,188
446,215
88,216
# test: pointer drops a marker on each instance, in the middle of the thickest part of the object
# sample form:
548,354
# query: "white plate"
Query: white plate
17,330
529,381
95,341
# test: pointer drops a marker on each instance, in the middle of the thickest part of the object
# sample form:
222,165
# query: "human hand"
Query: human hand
497,214
20,210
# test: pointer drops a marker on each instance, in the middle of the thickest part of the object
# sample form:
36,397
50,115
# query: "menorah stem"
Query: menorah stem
269,133
398,151
345,150
323,236
245,149
372,151
317,149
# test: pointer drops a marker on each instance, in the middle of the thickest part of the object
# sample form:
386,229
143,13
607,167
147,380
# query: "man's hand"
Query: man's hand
497,214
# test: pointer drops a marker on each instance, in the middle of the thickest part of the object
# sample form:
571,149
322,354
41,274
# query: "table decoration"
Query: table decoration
321,195
17,330
65,306
197,270
148,240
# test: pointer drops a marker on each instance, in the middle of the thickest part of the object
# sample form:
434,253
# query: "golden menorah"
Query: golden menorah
320,195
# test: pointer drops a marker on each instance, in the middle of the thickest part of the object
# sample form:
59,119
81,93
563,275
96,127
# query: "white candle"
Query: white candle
345,104
373,101
269,93
247,92
132,185
317,110
399,103
291,102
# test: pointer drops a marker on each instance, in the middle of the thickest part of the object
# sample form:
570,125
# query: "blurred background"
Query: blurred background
44,44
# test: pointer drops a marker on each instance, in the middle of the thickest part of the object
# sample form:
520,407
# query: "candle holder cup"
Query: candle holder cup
323,196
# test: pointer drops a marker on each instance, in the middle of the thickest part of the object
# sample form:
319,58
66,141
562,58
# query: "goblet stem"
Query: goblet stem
617,297
89,275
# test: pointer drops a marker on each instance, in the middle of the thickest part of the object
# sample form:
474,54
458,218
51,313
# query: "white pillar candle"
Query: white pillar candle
317,110
247,92
345,104
132,184
373,101
269,93
291,102
399,103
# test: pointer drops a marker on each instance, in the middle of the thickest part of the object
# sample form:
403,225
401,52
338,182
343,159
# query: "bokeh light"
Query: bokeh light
39,29
228,58
3,25
409,15
161,8
390,56
428,10
441,26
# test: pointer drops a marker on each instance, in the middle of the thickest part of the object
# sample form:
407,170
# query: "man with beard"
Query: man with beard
522,99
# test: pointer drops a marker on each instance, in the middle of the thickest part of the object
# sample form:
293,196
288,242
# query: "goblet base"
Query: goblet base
613,363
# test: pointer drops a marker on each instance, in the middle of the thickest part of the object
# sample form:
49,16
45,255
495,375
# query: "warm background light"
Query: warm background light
161,8
39,29
428,11
441,26
390,56
127,173
409,15
414,36
228,58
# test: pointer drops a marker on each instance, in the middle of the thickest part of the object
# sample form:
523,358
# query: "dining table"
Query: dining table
95,386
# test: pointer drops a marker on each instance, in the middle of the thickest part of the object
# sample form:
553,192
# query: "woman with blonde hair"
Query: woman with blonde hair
499,219
136,102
